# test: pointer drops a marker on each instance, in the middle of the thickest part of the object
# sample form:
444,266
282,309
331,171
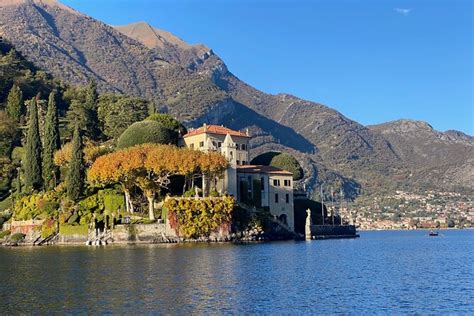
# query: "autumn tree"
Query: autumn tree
150,167
33,161
51,144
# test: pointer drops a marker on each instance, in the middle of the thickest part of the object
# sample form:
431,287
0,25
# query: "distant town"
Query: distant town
406,210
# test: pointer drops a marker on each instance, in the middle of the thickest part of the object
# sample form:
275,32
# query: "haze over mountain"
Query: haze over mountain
194,84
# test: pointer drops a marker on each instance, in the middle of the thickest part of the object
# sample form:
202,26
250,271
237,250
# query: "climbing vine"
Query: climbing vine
192,218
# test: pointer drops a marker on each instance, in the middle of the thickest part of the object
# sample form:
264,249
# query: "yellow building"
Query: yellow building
234,145
267,187
261,186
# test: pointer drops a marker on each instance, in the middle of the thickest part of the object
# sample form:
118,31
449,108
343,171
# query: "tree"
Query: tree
144,132
150,167
288,162
117,112
8,132
14,106
76,175
79,114
91,96
169,122
32,160
51,144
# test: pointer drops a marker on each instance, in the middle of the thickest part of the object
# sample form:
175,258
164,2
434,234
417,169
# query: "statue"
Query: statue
307,229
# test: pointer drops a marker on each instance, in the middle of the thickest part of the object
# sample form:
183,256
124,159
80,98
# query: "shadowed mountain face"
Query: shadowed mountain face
194,84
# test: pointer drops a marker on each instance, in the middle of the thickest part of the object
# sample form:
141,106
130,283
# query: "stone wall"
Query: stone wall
327,230
25,227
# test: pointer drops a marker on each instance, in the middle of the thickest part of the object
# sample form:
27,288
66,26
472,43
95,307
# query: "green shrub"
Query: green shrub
73,219
213,193
113,201
145,132
69,230
4,233
48,228
288,162
190,193
17,237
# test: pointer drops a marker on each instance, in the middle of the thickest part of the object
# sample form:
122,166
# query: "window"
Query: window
242,147
191,146
237,162
244,162
201,144
219,144
276,197
276,182
214,144
287,198
287,183
262,183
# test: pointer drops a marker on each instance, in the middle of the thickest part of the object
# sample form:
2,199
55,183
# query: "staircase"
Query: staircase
102,239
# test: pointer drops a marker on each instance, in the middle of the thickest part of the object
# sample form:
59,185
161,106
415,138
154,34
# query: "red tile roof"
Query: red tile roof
215,129
262,169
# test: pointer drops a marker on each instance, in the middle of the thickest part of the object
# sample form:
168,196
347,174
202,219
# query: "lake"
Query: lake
386,272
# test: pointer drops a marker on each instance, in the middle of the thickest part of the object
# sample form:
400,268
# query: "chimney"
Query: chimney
205,126
247,132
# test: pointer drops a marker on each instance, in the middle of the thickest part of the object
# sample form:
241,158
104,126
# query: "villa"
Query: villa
253,185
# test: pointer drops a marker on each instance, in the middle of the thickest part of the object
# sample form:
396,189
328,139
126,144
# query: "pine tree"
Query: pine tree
51,144
14,106
76,175
33,170
91,96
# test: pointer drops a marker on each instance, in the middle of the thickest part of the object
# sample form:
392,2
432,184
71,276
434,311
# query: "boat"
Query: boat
433,233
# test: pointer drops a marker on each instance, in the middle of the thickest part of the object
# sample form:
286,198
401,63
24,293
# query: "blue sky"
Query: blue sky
374,61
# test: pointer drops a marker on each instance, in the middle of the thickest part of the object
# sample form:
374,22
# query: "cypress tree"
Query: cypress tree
14,106
75,176
51,144
33,170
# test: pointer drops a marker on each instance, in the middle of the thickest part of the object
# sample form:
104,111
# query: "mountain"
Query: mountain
194,84
444,159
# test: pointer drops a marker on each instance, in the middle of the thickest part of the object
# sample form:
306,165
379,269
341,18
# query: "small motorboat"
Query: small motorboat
433,234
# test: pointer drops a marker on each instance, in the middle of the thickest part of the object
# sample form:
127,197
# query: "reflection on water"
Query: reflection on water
385,272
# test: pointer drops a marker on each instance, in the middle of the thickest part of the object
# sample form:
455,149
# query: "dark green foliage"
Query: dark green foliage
76,175
4,234
265,158
17,237
14,106
8,131
32,160
257,193
145,132
51,144
117,112
91,96
167,121
79,114
288,162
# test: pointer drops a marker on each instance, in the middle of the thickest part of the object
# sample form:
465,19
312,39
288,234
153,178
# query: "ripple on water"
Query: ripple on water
382,272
